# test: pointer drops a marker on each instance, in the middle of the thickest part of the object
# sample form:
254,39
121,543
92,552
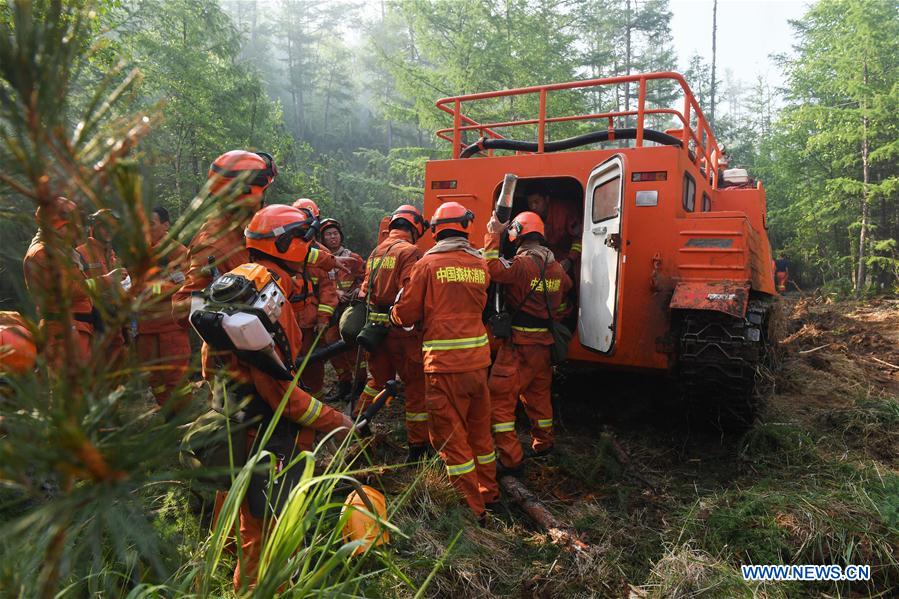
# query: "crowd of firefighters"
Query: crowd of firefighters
461,384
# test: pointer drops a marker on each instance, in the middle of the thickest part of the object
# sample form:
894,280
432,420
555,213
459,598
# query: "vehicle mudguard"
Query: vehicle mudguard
720,296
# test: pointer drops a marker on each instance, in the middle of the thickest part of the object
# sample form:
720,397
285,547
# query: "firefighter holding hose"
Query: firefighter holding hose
535,285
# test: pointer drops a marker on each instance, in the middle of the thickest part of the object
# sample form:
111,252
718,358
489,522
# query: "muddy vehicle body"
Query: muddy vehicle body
676,270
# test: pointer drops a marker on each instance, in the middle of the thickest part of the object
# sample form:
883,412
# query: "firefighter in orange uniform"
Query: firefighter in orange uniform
161,342
18,352
445,298
97,251
314,303
275,241
387,271
563,227
99,258
535,285
218,246
347,284
63,304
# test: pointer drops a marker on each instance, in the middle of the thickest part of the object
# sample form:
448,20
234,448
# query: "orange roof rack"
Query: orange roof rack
698,138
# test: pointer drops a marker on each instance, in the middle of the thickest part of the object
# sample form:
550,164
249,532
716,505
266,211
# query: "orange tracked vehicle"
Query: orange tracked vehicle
675,273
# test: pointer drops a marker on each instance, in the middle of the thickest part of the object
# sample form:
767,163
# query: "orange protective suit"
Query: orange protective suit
563,225
522,368
348,284
161,343
400,352
46,289
314,302
100,258
445,297
217,248
301,408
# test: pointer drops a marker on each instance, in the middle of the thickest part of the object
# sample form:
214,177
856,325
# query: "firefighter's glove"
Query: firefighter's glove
495,227
346,427
345,263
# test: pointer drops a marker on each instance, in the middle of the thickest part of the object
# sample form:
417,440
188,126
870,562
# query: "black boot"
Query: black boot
416,453
339,392
516,471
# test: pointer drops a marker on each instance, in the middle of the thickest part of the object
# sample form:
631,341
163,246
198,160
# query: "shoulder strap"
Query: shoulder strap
549,311
533,286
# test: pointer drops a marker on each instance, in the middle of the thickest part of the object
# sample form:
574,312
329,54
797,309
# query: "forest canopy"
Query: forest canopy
342,93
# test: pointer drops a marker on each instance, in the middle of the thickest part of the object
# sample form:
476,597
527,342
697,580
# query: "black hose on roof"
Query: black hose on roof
567,144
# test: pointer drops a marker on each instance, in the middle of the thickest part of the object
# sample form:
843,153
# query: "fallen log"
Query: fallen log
530,505
622,457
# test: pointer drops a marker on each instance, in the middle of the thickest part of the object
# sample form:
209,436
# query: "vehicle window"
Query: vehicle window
706,202
605,200
689,193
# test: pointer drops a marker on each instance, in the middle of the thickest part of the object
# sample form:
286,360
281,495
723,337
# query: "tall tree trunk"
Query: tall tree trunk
627,59
714,50
328,99
863,232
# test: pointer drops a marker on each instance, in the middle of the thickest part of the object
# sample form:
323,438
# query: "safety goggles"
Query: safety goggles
255,178
462,220
416,218
285,235
514,230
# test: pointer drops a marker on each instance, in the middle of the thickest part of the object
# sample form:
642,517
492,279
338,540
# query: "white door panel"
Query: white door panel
600,256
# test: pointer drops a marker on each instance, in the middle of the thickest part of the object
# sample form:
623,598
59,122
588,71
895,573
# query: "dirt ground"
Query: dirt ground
814,481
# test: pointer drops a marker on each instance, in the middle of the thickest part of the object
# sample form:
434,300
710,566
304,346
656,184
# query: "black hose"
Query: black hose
567,144
328,352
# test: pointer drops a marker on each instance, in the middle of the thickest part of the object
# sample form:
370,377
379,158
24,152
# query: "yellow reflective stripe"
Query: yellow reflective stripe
530,329
576,247
460,469
378,317
344,284
561,307
486,459
370,391
491,254
156,289
91,284
545,423
325,308
312,412
313,256
417,416
363,365
504,427
448,344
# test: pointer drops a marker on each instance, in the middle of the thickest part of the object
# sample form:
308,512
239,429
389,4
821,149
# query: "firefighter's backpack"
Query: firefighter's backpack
239,314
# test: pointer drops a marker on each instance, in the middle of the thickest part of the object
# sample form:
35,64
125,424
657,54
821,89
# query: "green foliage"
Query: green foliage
842,92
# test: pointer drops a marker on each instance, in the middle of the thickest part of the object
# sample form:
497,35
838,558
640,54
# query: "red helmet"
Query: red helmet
329,223
451,216
411,215
61,210
307,204
17,350
257,170
280,231
524,223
